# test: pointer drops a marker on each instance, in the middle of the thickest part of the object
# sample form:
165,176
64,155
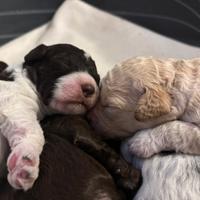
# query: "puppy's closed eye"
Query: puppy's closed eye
153,103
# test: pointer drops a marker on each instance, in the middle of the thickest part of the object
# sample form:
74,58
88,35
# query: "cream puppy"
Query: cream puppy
144,92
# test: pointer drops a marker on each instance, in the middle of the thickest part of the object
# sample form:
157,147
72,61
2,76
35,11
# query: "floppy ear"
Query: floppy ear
5,75
3,66
36,54
153,103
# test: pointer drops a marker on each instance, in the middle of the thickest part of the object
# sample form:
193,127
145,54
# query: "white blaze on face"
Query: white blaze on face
69,95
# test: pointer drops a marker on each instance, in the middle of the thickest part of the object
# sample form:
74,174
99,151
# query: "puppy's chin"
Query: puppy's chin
67,108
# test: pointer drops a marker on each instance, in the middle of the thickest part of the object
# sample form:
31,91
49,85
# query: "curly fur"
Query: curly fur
144,92
166,177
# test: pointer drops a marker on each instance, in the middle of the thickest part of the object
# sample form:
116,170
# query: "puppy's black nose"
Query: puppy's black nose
88,90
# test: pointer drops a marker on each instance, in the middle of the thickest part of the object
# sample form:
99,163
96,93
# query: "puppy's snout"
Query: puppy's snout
88,90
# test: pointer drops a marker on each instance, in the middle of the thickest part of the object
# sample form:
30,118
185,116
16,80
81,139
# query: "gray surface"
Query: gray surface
179,19
20,16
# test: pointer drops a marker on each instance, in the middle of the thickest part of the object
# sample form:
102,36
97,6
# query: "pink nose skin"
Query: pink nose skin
88,90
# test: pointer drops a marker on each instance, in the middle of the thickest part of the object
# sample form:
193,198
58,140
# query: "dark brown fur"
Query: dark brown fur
68,173
4,75
82,135
45,64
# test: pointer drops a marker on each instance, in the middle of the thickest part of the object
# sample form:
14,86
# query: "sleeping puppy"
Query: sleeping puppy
144,92
68,172
178,136
53,79
79,133
166,177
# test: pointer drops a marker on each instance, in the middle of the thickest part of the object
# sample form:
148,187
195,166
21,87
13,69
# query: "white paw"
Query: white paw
141,145
23,167
174,113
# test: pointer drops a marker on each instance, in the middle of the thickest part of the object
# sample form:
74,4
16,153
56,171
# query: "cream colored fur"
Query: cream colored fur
144,92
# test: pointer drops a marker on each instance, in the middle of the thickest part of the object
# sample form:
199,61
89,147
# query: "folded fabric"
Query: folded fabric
107,38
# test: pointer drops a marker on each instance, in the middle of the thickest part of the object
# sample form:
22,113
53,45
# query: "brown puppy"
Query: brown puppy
145,92
67,173
81,134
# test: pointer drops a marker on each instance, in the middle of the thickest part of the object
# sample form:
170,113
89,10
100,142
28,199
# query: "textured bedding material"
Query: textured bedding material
107,38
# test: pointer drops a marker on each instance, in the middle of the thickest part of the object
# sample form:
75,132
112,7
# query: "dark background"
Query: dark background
179,19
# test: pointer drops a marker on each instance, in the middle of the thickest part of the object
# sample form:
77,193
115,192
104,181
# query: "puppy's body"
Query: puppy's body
25,137
79,133
145,92
169,177
142,93
166,177
68,172
58,78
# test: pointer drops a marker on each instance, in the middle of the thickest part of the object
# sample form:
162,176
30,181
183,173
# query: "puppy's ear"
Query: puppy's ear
153,103
3,66
36,54
5,75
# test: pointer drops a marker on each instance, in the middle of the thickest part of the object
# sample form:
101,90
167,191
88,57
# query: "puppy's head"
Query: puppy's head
130,99
65,77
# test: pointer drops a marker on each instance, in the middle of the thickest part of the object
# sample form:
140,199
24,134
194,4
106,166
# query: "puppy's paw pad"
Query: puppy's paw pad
141,147
23,168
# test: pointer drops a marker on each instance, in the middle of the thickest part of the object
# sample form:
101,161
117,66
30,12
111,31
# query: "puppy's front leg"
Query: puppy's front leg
125,175
26,142
177,135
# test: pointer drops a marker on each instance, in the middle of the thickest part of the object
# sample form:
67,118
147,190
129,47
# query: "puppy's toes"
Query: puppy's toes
175,113
142,146
23,167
